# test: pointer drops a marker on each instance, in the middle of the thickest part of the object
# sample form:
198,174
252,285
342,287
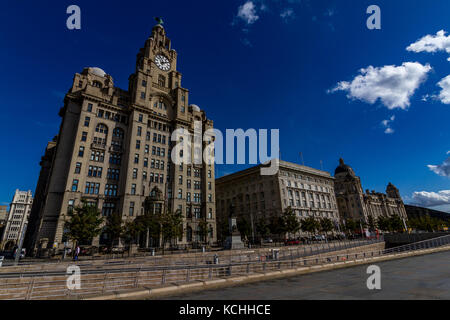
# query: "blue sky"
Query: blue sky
286,64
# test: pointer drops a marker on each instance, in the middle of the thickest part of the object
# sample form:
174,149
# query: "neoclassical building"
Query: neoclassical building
17,219
252,196
114,149
354,204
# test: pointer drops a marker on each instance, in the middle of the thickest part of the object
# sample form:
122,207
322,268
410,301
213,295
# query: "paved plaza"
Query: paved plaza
422,277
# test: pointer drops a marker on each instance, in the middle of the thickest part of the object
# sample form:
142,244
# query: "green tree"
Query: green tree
384,224
350,225
113,227
84,223
292,225
244,227
277,226
262,227
310,225
396,224
371,224
130,232
326,225
203,230
171,226
149,224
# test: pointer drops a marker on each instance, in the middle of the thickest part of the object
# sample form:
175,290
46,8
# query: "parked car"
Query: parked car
319,237
267,240
291,242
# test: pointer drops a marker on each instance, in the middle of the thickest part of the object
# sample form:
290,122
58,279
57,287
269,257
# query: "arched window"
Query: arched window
101,128
97,84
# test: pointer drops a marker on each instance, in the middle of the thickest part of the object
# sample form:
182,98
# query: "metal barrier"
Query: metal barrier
54,287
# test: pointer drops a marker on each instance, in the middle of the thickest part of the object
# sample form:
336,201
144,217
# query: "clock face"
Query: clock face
162,62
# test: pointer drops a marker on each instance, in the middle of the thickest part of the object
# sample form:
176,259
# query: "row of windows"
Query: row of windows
306,178
306,186
94,188
111,116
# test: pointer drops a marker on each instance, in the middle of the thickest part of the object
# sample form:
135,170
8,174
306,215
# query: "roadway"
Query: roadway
422,277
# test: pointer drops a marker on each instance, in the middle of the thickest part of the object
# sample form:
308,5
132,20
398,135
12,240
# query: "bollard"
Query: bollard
1,260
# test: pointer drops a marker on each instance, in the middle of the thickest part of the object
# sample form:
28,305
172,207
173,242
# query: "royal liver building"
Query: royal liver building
113,150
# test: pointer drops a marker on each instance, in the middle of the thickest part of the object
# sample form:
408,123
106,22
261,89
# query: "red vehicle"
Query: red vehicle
292,242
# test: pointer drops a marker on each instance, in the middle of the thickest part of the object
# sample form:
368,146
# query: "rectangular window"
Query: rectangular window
75,185
78,167
131,212
87,120
136,158
133,189
139,131
142,95
138,144
89,107
81,152
210,213
84,136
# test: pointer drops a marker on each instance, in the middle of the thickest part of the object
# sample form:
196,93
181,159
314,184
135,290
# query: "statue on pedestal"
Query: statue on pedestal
233,241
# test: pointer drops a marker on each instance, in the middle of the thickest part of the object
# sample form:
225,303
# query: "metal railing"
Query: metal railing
54,287
247,255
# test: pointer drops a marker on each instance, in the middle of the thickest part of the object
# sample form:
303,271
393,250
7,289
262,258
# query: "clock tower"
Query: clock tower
114,152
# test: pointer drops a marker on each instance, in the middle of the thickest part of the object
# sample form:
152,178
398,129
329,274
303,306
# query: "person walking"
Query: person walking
76,253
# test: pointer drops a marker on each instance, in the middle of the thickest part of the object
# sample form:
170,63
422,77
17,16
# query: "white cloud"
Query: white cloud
247,12
393,85
431,199
431,43
387,124
441,169
444,95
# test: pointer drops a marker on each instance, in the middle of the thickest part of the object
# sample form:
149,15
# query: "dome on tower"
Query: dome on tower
343,168
97,71
195,107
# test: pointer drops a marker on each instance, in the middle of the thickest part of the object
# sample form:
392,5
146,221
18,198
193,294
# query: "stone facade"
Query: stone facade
354,204
3,217
114,148
248,194
19,211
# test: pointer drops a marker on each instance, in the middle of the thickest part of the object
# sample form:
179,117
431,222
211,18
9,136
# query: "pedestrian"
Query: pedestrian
76,253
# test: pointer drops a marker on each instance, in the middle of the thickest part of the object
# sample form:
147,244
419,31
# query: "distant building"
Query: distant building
354,204
249,195
417,212
19,211
3,217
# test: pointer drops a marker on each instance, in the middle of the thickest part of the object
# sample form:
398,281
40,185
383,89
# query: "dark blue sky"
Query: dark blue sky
269,67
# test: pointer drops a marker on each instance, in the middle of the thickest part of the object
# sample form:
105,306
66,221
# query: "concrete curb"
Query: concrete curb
229,282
